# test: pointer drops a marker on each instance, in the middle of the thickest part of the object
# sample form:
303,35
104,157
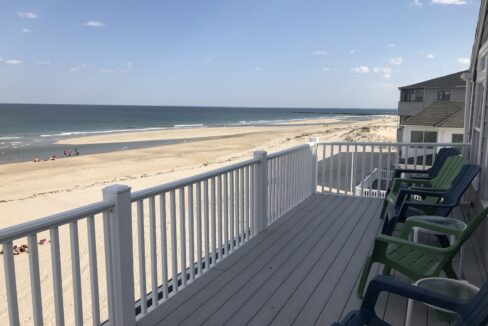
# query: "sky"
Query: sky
252,53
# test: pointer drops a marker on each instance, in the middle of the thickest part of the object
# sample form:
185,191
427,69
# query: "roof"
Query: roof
440,114
448,81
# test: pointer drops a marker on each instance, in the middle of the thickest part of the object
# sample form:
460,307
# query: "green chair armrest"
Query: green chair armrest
388,239
412,222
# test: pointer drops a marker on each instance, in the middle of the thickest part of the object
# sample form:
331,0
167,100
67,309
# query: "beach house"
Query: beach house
277,239
433,110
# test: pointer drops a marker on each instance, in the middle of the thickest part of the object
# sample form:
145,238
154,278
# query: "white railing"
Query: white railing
144,247
348,168
187,227
290,179
55,227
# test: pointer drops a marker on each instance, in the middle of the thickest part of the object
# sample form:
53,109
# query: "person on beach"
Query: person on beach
77,152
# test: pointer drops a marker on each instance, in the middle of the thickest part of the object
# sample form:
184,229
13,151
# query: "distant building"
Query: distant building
432,111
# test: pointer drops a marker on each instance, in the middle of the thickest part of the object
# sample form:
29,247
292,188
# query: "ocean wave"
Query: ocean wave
80,133
10,137
189,125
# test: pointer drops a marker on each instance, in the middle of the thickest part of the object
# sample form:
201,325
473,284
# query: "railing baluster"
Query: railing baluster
388,178
206,222
75,270
363,168
92,254
347,172
174,249
331,174
214,220
226,215
152,244
241,204
324,147
231,211
415,157
191,232
380,169
11,283
108,263
371,168
57,277
255,202
164,244
142,256
35,280
182,235
237,206
354,170
199,227
424,157
219,217
246,199
339,168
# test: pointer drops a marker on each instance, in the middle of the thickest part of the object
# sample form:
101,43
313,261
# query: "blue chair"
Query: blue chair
406,206
472,312
431,172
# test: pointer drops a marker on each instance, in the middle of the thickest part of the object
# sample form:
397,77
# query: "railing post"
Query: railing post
313,141
121,256
261,190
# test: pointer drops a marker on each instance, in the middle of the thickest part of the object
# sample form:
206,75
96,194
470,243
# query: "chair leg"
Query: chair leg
391,226
387,270
383,209
364,277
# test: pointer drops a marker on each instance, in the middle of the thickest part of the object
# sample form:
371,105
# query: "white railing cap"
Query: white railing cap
45,223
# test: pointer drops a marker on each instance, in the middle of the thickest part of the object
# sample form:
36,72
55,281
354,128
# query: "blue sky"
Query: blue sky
278,53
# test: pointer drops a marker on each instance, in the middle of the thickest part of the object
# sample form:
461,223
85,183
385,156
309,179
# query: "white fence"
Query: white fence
144,247
155,241
343,166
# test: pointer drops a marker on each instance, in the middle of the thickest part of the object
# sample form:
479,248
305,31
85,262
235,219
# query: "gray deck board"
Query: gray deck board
302,270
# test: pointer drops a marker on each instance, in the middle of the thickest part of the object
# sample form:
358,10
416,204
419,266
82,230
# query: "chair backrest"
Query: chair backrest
440,158
475,312
458,187
449,170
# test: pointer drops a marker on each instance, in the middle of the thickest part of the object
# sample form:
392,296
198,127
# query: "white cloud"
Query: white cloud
13,62
26,30
325,69
94,23
396,61
390,45
416,3
321,52
385,71
449,2
1,60
77,68
360,70
27,15
430,56
354,51
258,68
464,61
46,62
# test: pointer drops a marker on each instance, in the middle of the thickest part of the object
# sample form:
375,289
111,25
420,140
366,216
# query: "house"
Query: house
444,96
475,131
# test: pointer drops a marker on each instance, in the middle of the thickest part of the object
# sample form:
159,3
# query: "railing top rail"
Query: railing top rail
395,144
287,151
153,191
45,223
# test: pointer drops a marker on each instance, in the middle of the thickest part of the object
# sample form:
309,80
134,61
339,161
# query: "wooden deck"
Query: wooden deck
302,270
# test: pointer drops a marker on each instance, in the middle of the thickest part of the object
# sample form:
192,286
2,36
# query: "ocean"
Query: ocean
31,130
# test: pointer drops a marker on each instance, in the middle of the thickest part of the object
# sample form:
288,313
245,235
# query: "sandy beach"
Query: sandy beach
32,190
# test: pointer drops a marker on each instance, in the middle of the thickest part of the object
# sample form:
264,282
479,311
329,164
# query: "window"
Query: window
408,95
423,136
444,96
457,138
412,95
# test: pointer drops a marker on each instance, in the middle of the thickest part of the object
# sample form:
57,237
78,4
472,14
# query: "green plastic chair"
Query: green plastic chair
441,182
417,260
